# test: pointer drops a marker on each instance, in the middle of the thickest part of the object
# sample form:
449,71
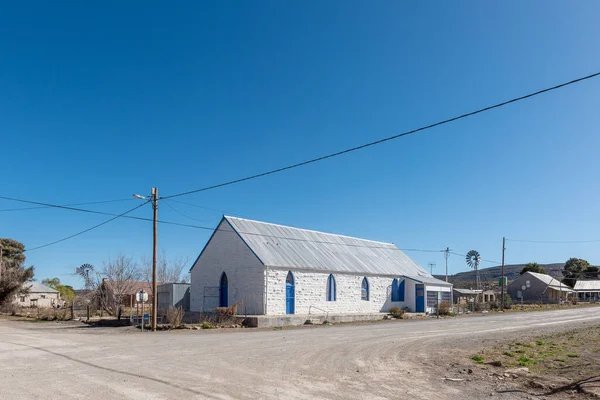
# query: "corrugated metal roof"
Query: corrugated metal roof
467,291
288,247
550,281
587,285
36,287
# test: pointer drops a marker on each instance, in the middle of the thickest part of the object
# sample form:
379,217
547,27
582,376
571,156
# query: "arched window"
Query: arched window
290,294
401,291
364,289
330,288
397,290
223,291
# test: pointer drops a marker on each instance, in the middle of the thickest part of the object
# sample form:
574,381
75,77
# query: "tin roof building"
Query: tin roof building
273,269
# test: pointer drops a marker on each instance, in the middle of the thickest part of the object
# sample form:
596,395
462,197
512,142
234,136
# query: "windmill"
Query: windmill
84,271
473,261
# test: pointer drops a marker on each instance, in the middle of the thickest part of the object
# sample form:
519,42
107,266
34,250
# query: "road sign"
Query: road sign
141,296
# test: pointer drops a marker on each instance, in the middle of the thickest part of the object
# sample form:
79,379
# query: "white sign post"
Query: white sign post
142,297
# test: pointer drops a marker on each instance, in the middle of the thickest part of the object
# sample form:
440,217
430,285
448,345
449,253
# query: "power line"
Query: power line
98,212
197,206
66,205
123,215
553,242
182,214
86,230
352,149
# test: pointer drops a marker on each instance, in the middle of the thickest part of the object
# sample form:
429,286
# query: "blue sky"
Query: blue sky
98,101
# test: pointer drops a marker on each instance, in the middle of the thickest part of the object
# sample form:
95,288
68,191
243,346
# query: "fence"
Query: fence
211,298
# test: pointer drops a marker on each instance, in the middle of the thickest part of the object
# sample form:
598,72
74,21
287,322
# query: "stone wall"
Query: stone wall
310,293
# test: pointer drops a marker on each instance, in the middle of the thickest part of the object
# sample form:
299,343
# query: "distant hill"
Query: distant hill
494,273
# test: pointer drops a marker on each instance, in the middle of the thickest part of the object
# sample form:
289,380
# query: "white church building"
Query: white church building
274,270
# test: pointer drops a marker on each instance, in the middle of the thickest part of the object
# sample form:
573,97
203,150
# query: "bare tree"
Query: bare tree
112,284
167,270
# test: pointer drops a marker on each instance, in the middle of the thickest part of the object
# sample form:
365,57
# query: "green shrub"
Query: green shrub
539,343
509,354
207,325
478,359
520,351
524,361
573,355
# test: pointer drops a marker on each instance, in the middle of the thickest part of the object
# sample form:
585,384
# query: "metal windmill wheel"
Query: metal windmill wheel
473,261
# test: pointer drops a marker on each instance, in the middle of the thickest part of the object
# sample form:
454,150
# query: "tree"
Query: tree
66,291
574,269
112,284
533,267
167,270
591,273
14,274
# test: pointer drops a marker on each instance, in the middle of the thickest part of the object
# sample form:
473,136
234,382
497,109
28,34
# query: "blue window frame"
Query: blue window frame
331,288
401,291
397,290
364,289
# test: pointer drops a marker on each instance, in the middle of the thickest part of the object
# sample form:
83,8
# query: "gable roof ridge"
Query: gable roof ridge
227,217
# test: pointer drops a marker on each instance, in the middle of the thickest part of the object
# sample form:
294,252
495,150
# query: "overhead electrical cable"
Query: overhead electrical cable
553,241
124,215
387,139
67,205
86,230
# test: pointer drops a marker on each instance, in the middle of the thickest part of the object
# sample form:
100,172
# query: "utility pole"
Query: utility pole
446,256
155,244
431,266
502,282
0,261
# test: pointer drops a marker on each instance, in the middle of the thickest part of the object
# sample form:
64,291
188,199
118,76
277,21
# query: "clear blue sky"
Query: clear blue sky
101,100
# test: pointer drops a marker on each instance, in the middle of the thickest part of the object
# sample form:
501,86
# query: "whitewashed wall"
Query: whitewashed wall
310,290
227,252
41,300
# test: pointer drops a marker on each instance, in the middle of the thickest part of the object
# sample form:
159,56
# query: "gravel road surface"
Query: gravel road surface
386,360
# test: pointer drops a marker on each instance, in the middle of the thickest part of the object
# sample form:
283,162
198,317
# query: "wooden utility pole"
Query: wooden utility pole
502,282
154,285
446,255
0,261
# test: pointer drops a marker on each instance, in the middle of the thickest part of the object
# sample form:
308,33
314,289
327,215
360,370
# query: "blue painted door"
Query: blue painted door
289,294
420,293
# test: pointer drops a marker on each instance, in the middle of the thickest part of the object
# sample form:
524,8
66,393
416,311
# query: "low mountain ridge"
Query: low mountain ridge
511,271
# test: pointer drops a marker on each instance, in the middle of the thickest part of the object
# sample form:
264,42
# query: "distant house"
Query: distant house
126,291
587,290
39,296
532,287
464,296
275,270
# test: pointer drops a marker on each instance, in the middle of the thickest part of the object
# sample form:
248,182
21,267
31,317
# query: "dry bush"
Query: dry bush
175,316
226,313
444,308
397,312
11,309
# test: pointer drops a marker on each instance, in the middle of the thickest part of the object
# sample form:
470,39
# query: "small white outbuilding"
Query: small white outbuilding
274,270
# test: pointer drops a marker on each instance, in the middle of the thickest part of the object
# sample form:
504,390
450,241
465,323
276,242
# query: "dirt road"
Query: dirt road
391,359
